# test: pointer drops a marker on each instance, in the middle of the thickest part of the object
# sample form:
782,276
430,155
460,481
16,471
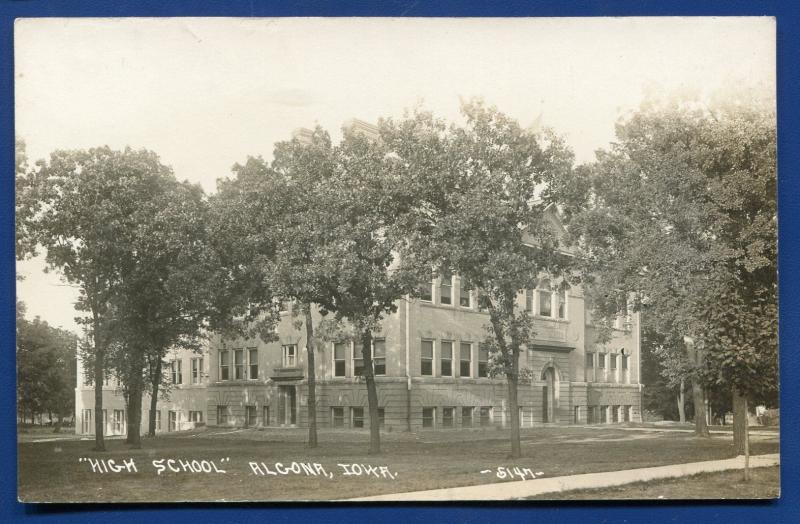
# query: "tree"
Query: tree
675,367
113,222
77,207
367,199
285,231
306,168
46,371
317,227
684,206
477,213
164,296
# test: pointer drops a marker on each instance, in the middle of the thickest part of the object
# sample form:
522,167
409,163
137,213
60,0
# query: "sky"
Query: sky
207,93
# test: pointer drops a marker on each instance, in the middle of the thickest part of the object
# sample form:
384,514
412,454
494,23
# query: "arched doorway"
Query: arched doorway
550,394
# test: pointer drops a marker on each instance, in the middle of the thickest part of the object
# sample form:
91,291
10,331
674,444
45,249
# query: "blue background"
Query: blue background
784,510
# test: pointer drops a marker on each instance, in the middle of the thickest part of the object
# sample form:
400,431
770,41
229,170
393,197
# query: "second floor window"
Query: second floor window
545,299
252,360
197,370
446,356
562,304
465,360
624,362
339,359
427,358
379,356
446,288
426,291
224,365
589,367
483,361
238,364
529,300
290,356
177,372
464,296
358,360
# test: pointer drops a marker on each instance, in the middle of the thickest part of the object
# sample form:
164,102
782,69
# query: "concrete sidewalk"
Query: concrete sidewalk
528,488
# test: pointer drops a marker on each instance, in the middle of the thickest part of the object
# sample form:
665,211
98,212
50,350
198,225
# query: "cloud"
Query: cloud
292,97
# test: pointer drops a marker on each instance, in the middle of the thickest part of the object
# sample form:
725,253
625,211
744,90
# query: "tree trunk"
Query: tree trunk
513,405
99,429
155,382
134,437
698,397
135,392
739,423
682,403
372,394
312,380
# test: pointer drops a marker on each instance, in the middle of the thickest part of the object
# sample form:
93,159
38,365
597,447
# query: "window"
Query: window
358,360
624,365
562,304
222,415
428,417
589,367
173,424
337,416
446,288
446,356
357,417
626,413
379,356
466,416
381,417
339,359
447,417
426,291
119,420
486,416
177,374
86,421
238,364
529,300
577,415
197,370
252,360
612,360
196,416
265,416
604,414
427,358
465,362
290,356
224,365
251,416
483,360
158,420
545,299
464,297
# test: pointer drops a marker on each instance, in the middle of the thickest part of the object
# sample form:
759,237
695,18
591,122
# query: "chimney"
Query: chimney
362,128
303,135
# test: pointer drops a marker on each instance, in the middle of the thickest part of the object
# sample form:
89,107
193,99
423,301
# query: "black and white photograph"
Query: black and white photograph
396,259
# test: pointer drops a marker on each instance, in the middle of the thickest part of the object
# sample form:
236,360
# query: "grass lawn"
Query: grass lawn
51,471
764,484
